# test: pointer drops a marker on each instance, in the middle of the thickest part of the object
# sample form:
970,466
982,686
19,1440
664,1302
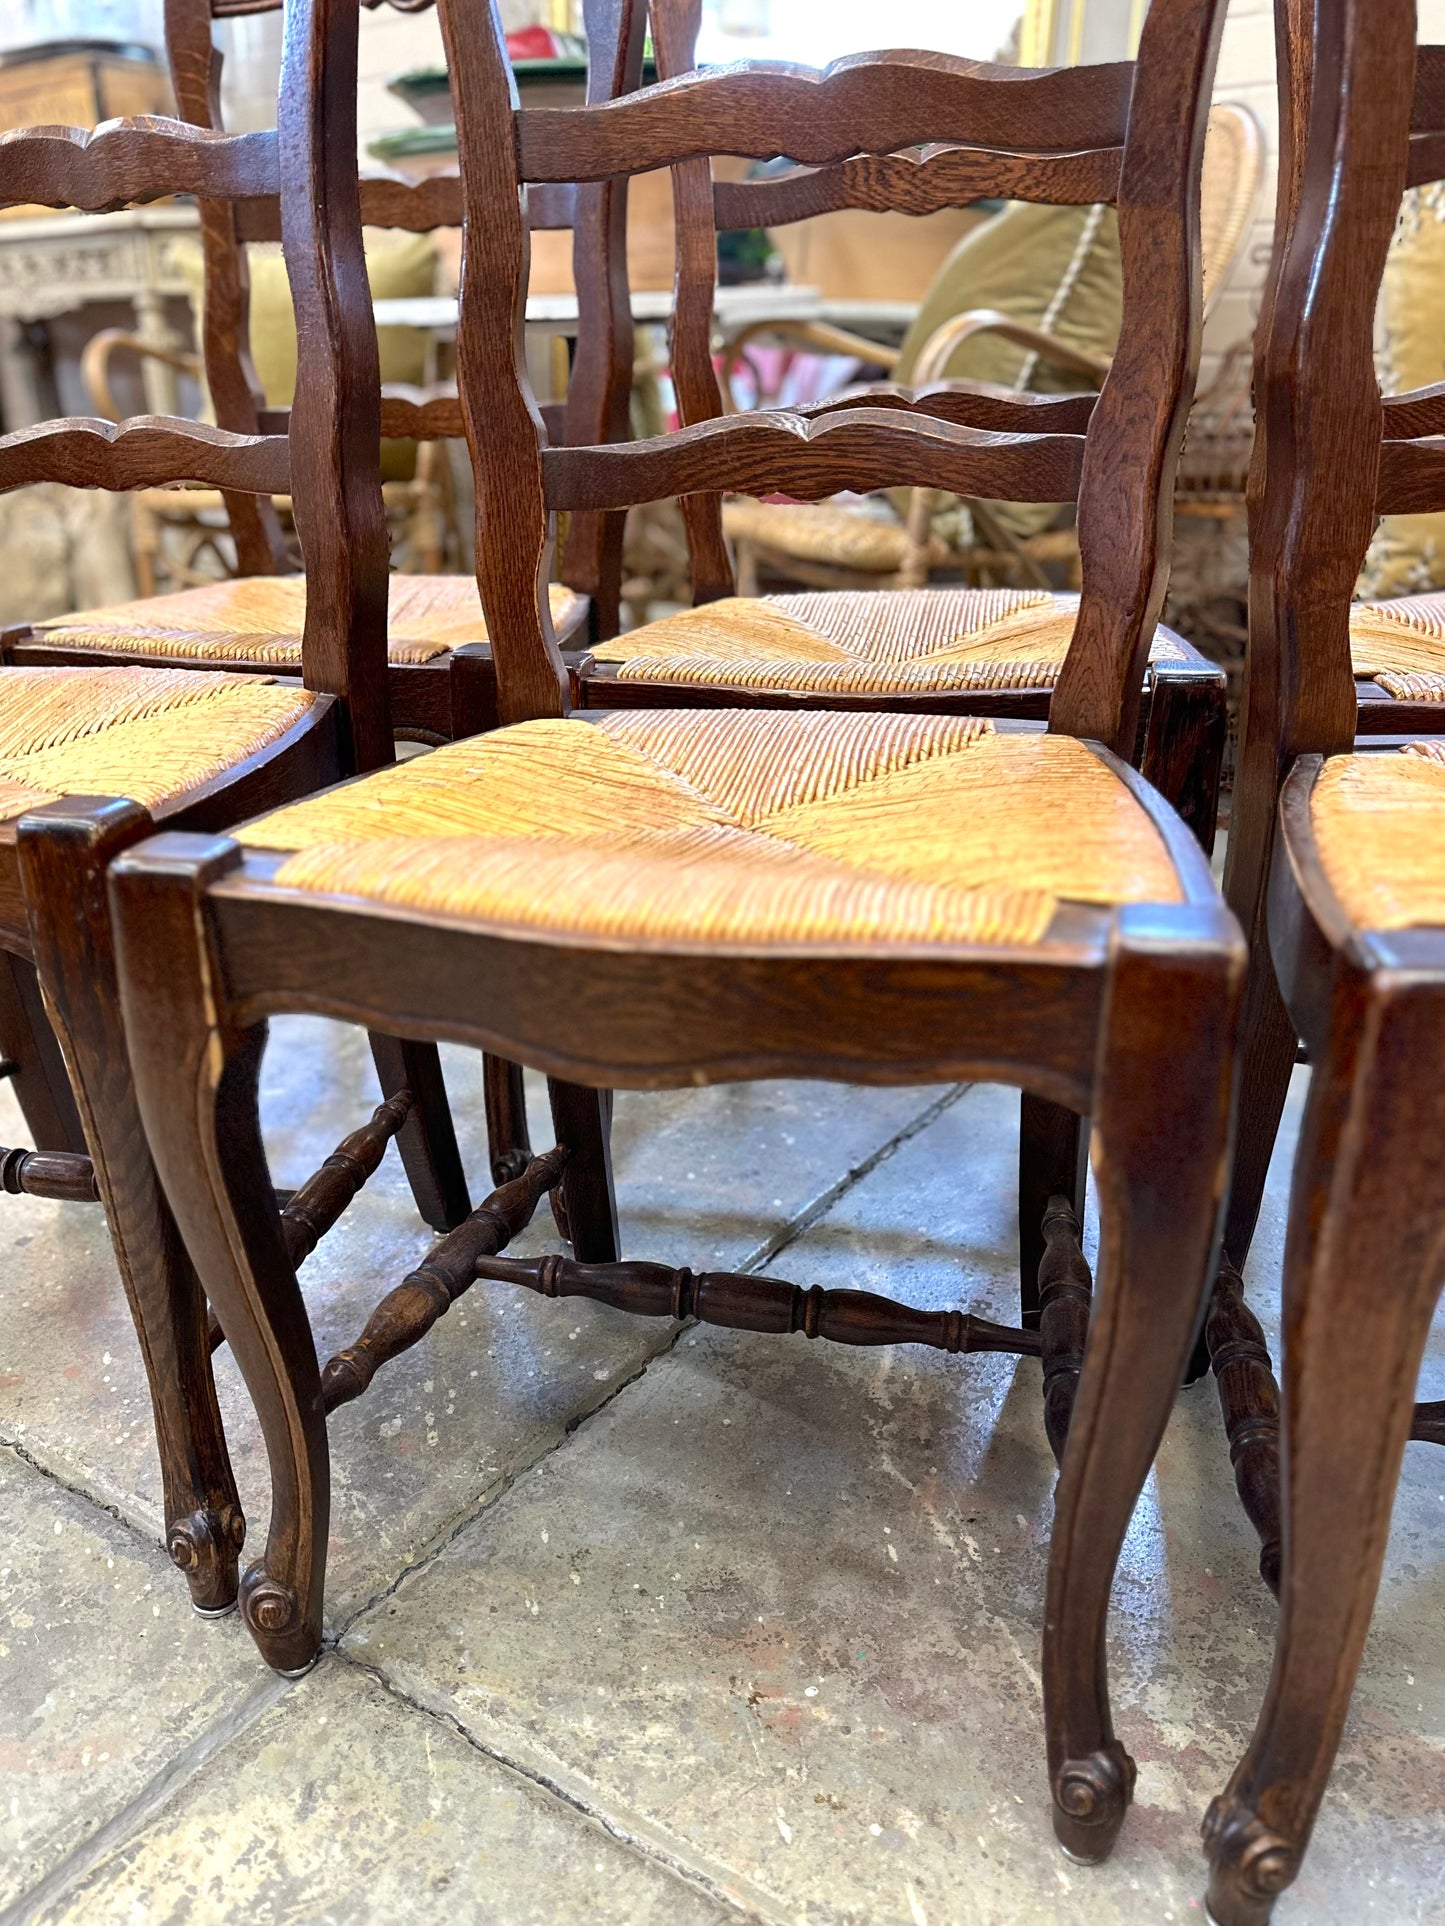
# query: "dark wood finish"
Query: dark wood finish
126,163
918,183
1053,1163
405,1315
425,1136
746,1303
1124,1016
507,1134
1249,1402
1363,1265
35,1066
1066,1290
313,1208
62,1174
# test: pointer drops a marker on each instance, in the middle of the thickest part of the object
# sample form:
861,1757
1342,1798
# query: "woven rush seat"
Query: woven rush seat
259,618
754,827
149,734
1379,824
1400,644
861,642
827,532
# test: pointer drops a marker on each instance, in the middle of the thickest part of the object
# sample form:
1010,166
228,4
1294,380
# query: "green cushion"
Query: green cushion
1020,262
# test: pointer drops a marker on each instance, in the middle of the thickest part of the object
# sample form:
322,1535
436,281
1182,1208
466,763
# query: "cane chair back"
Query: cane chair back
1140,124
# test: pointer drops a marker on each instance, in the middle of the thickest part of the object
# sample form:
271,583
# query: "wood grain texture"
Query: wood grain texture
336,417
741,1302
126,163
866,103
317,1204
921,182
972,404
1249,1403
146,451
503,427
224,320
810,457
406,1314
1126,492
1066,1288
63,1175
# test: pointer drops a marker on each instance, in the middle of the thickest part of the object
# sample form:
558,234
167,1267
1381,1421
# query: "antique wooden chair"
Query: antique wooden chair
1356,914
669,897
441,681
990,652
1282,721
195,748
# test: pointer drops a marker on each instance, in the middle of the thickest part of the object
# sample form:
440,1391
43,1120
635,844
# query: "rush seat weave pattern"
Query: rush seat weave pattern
259,619
149,734
1400,644
727,826
826,532
1379,824
861,642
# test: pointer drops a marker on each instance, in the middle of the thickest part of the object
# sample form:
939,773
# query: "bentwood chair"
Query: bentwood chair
1355,921
993,652
92,757
832,545
441,685
660,898
1394,695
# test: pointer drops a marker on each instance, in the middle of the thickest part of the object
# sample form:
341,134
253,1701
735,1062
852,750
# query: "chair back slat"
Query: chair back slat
147,451
866,103
926,182
1115,451
1412,477
851,447
127,163
1126,494
975,404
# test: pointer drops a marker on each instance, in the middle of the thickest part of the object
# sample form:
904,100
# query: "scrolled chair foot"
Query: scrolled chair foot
205,1546
1250,1864
273,1618
1091,1797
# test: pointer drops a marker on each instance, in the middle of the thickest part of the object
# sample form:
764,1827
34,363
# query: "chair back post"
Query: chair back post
1314,475
335,433
675,27
223,323
599,394
503,427
1126,491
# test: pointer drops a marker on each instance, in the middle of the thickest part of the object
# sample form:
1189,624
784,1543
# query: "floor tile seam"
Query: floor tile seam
646,1845
129,1820
797,1226
110,1508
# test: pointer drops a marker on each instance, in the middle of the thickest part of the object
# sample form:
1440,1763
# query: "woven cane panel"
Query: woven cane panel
755,827
1400,643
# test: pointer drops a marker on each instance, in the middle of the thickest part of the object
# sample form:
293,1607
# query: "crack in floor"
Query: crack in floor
177,1772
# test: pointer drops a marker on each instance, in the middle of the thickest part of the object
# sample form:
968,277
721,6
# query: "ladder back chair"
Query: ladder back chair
438,668
92,757
1355,922
994,652
1297,701
669,897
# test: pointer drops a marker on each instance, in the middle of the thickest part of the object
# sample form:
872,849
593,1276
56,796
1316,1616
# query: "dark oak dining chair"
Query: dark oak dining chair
1354,917
92,758
440,678
1395,697
950,650
668,897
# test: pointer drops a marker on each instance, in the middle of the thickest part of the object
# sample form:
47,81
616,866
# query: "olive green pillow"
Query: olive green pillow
395,269
1055,268
1408,552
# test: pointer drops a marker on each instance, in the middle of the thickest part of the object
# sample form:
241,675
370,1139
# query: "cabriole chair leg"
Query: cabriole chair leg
65,849
1363,1268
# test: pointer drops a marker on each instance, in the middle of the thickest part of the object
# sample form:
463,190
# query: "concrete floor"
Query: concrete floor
631,1624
